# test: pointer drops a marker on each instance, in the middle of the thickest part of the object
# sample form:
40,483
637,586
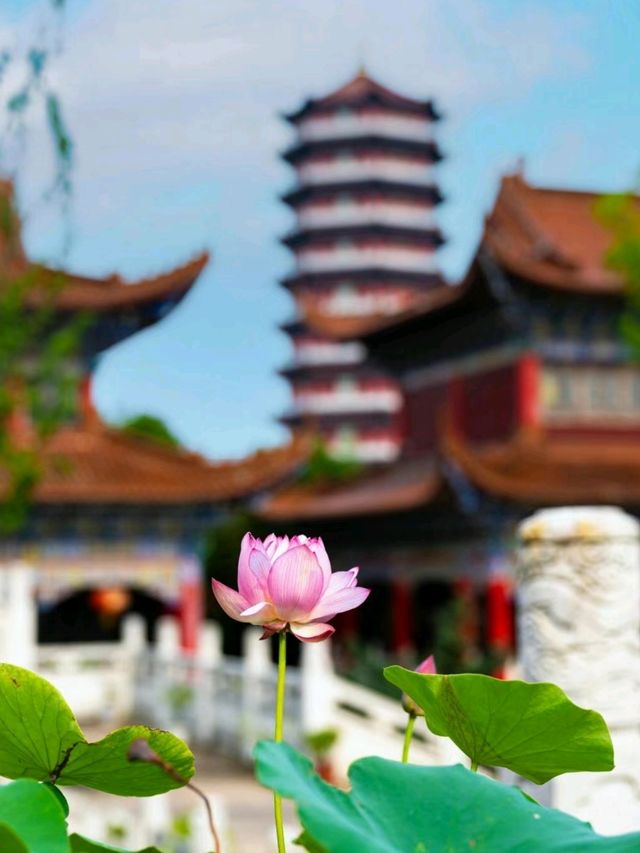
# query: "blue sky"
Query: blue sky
174,112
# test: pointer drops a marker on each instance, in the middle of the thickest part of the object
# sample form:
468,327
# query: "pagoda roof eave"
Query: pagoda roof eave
363,417
81,293
363,91
392,188
551,238
542,468
405,234
92,464
426,279
396,488
302,150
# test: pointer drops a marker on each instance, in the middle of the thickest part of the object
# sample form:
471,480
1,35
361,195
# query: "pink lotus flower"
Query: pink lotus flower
427,667
287,584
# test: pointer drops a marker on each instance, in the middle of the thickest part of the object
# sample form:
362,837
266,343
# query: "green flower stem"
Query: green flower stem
474,766
408,734
282,671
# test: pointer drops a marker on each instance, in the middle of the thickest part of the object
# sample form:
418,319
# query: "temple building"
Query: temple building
518,392
116,521
364,246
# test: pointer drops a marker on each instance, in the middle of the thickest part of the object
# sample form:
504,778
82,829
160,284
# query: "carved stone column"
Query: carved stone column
579,627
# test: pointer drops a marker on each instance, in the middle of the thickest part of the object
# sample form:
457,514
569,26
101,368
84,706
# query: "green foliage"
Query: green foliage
31,819
322,742
397,808
38,380
151,428
620,213
532,729
105,766
322,467
10,842
41,739
80,844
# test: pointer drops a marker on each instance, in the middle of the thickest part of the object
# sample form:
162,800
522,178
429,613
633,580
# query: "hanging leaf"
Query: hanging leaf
532,729
41,739
31,819
38,727
105,765
396,808
80,844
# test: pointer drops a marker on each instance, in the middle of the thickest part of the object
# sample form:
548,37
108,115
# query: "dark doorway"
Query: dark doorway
80,619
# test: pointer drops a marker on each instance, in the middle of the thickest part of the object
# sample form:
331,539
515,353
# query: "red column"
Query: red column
191,604
88,411
401,617
499,618
455,405
468,619
529,391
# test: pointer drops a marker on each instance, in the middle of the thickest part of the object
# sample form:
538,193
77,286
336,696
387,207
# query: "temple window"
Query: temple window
586,392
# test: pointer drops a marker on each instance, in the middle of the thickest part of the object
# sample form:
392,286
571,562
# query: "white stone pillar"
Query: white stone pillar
579,627
258,691
20,628
131,670
317,687
208,682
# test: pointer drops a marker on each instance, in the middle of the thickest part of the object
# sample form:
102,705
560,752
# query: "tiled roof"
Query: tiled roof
361,90
397,487
548,469
350,327
91,463
550,237
72,292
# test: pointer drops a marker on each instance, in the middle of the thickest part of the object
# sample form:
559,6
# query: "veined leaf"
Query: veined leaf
404,808
532,729
40,739
105,765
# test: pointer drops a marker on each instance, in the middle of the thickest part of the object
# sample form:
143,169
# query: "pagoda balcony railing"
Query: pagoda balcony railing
329,353
321,403
394,127
352,259
366,214
352,169
347,303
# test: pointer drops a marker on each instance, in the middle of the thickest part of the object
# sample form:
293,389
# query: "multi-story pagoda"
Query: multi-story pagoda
364,245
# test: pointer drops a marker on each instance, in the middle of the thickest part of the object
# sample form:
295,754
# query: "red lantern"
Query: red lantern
110,601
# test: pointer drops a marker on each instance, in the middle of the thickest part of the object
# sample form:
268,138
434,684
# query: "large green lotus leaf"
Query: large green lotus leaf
9,841
30,815
80,844
37,727
105,764
405,808
532,729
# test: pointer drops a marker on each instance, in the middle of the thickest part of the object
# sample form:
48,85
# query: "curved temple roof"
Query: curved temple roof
362,91
90,463
72,292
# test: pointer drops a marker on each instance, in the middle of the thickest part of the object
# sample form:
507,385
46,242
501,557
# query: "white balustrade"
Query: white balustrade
326,402
344,169
365,213
353,258
329,353
387,125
